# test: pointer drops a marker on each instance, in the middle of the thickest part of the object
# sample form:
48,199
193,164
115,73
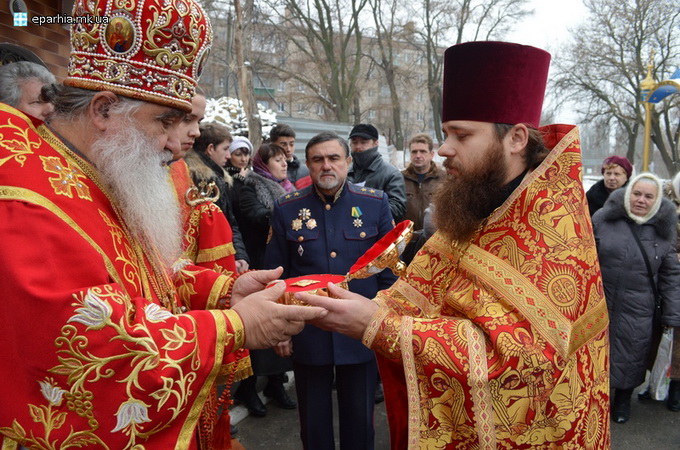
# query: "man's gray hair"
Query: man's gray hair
13,75
72,102
326,136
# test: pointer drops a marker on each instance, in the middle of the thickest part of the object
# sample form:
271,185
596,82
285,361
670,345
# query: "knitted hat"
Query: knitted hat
496,82
151,50
240,142
619,161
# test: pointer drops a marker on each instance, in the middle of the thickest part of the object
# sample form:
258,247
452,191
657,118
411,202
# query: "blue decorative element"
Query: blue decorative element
663,90
20,19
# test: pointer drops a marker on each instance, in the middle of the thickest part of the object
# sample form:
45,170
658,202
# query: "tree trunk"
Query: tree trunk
242,43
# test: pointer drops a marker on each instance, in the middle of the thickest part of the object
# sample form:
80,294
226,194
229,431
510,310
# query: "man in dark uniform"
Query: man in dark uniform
325,228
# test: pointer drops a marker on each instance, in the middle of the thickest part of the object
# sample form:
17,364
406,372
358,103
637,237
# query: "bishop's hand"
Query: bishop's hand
268,323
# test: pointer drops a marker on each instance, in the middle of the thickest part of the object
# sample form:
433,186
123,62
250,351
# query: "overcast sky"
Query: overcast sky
547,29
550,23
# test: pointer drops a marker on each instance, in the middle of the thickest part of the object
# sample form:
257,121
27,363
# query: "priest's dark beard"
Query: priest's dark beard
464,200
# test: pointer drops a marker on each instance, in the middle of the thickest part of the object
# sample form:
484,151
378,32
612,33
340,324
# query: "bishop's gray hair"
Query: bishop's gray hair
72,102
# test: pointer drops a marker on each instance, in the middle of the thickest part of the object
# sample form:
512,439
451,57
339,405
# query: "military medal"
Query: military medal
311,224
356,213
296,224
304,214
300,250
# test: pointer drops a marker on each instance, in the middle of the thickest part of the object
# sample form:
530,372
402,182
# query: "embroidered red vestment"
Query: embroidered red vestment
502,342
208,244
94,348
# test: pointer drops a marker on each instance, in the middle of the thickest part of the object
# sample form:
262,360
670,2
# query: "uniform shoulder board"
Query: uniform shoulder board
366,191
295,195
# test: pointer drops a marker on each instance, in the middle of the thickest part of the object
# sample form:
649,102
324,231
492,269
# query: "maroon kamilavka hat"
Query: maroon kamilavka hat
497,82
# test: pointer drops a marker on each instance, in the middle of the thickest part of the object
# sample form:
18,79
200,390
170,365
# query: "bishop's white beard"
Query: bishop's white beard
134,171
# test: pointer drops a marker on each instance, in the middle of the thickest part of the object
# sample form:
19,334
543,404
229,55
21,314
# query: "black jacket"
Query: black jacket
370,170
296,170
597,195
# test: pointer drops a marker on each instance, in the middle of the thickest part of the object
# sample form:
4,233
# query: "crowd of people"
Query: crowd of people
162,239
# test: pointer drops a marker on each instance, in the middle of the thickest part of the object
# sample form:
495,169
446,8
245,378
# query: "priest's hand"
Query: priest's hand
251,282
268,323
348,313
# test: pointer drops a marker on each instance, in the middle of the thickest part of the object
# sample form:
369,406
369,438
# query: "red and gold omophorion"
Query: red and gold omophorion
501,342
96,350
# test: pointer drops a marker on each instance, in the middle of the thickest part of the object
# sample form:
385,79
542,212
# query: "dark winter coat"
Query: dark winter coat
629,295
419,195
205,170
370,170
256,204
296,170
597,195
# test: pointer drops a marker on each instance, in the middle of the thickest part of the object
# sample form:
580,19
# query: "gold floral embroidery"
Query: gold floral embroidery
81,365
68,178
17,142
49,416
123,251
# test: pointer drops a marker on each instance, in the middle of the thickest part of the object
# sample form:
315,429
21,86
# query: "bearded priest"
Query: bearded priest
496,337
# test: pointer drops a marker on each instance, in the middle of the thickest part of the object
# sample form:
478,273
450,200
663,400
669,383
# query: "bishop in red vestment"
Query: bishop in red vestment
106,341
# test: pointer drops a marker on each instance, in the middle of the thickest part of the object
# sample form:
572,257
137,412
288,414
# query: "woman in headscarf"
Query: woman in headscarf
636,236
262,186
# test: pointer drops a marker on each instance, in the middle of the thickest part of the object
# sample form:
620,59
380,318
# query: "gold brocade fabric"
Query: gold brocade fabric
502,342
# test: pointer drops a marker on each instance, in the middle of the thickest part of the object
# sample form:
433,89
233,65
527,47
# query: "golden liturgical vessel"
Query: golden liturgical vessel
382,255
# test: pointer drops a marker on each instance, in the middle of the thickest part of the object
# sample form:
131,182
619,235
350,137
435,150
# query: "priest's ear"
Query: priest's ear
517,138
99,109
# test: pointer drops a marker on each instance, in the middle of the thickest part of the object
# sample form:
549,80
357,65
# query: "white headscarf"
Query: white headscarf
657,202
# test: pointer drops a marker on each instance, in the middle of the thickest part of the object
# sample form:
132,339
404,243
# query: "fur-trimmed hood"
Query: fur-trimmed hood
266,190
663,220
204,168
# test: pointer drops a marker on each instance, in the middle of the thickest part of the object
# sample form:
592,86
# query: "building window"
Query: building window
371,114
264,103
300,108
301,87
371,93
320,110
405,115
282,86
221,82
421,97
282,107
420,116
